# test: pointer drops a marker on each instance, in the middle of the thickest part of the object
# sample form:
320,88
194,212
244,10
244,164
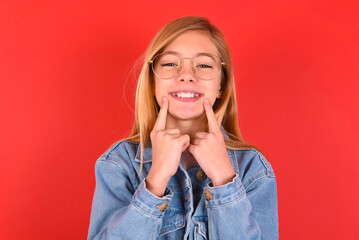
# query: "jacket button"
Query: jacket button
200,175
163,206
208,195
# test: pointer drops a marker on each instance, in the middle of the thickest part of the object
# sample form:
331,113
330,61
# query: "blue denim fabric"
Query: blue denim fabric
123,208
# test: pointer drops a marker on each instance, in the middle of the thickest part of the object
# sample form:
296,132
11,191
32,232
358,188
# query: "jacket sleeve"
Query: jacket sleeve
236,212
121,212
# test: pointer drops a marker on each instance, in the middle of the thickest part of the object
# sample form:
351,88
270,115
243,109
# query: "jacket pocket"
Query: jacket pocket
172,221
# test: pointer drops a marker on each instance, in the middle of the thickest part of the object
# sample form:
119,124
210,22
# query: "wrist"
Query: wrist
156,184
223,179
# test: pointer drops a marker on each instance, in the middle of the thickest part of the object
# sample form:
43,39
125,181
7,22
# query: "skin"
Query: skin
179,127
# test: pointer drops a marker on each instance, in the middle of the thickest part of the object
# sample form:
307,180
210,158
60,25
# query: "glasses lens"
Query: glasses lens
166,65
206,67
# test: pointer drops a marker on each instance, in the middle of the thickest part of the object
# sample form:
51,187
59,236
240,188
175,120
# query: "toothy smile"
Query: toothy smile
185,94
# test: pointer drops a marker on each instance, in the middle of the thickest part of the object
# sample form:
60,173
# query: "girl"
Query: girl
185,172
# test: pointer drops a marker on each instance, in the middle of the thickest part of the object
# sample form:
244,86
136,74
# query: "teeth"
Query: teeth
186,95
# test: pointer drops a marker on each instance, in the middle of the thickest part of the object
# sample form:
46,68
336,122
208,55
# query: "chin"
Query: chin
186,111
186,115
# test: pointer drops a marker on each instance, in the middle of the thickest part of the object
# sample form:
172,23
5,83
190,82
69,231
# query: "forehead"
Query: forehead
192,43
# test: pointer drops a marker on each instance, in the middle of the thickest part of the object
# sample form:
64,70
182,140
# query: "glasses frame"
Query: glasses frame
151,62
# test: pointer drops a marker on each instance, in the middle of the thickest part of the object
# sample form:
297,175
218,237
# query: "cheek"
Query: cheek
157,93
213,90
160,90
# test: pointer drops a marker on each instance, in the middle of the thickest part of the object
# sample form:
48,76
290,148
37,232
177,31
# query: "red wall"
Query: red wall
64,100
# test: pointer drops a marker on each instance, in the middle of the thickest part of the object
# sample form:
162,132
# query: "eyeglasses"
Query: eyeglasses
169,65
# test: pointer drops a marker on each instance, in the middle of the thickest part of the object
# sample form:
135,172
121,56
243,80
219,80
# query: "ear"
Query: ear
219,93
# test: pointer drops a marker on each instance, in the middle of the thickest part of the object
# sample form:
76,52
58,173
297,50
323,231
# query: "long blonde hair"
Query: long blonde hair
146,106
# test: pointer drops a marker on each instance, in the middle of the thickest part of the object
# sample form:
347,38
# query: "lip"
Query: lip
180,99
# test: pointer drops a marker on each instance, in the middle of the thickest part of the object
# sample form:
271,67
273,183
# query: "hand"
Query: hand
210,151
167,148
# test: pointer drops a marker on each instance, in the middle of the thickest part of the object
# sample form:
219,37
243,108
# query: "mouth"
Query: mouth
186,96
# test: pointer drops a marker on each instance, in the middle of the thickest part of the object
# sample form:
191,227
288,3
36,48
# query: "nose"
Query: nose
186,72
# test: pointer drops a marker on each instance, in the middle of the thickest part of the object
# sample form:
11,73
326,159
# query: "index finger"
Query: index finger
212,121
162,115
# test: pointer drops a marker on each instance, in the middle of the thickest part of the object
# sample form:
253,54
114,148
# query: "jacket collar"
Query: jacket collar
147,153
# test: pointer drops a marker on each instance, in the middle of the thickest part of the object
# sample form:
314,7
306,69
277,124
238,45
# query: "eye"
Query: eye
204,66
168,65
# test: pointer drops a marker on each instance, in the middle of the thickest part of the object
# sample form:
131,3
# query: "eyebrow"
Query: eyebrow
198,54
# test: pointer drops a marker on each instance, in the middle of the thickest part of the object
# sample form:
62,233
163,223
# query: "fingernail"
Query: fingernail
164,99
206,101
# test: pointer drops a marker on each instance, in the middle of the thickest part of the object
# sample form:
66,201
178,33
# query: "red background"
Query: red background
67,93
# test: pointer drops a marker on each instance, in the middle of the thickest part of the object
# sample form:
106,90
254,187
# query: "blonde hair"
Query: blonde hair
146,106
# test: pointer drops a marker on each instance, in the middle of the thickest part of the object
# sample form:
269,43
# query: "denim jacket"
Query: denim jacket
123,208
